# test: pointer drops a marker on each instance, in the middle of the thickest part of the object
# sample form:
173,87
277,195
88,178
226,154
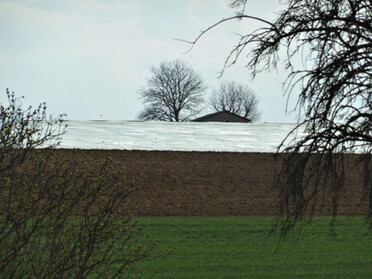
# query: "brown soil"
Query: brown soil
207,183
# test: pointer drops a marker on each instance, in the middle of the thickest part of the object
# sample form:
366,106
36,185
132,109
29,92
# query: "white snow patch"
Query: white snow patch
181,136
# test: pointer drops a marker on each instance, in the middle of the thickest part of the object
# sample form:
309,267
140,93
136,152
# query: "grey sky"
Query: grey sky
89,58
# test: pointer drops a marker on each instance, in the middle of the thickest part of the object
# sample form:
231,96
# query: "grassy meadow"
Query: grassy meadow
238,247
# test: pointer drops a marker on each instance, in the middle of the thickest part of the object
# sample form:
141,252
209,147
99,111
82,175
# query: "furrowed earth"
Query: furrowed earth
175,183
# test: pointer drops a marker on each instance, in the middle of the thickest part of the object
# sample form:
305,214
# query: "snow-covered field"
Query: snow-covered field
186,136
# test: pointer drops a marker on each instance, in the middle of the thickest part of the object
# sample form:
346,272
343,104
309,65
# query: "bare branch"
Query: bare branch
334,39
224,20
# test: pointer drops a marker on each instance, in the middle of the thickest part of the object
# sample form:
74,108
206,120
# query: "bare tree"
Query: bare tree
334,39
174,93
236,98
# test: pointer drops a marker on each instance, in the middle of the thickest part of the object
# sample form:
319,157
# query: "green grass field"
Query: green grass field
238,248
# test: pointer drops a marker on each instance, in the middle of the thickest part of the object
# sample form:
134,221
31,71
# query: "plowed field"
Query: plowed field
210,183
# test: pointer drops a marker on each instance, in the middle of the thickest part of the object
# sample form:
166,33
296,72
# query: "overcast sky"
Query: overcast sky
89,58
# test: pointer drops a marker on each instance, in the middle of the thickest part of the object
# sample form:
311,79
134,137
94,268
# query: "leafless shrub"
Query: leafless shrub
57,219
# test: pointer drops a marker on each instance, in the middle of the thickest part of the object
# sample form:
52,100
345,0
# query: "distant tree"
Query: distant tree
174,93
235,98
334,40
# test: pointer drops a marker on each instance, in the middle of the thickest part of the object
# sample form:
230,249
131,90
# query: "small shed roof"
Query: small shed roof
222,116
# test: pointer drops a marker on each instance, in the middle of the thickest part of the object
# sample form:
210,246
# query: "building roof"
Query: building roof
222,116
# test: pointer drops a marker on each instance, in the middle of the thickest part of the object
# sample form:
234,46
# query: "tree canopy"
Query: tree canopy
235,98
174,93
